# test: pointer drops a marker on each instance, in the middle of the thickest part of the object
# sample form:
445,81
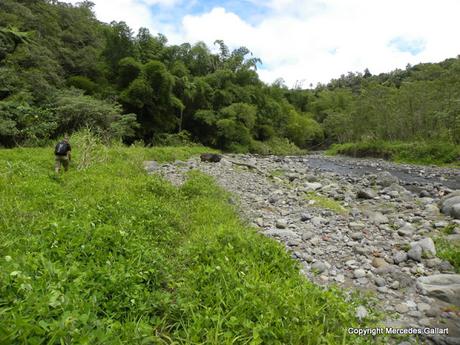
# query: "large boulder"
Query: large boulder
445,287
450,204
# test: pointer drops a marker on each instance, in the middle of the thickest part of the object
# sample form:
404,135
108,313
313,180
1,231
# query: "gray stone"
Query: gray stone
305,216
385,179
379,281
151,166
281,223
307,235
366,194
357,236
319,267
427,246
355,226
313,186
361,312
395,285
423,307
415,253
402,308
445,287
406,230
400,257
455,211
359,273
378,218
440,224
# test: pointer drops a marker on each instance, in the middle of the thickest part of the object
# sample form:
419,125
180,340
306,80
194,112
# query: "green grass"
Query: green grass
322,201
414,152
110,255
449,251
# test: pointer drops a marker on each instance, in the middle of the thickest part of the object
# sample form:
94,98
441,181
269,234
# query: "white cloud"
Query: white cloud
314,40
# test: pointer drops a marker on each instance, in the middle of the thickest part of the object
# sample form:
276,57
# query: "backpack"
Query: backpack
61,149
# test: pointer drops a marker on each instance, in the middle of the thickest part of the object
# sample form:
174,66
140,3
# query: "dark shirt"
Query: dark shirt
62,150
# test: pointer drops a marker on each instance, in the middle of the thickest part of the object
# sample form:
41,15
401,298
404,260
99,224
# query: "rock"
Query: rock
415,253
281,223
402,308
151,166
455,211
379,281
359,273
357,236
446,266
423,307
366,194
313,186
440,224
447,205
406,230
361,312
445,287
355,226
282,233
319,267
379,262
316,221
378,218
400,257
427,246
307,235
395,285
305,217
385,179
432,210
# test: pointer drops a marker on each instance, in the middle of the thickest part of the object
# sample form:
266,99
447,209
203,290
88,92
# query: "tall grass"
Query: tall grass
110,255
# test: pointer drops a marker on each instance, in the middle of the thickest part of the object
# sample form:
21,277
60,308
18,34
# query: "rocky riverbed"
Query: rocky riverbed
363,225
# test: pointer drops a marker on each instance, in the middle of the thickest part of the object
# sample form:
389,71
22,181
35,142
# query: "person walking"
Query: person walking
62,152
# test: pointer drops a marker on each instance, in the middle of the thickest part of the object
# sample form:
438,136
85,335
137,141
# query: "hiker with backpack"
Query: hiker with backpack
62,152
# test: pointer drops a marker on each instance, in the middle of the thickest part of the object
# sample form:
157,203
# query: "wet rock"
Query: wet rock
455,211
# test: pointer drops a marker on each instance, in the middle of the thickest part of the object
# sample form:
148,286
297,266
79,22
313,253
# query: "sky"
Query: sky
304,42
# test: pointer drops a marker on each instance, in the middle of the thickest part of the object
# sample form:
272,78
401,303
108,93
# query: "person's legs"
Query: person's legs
57,165
65,163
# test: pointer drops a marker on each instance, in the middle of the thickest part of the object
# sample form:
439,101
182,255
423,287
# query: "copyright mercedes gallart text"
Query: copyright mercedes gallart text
398,331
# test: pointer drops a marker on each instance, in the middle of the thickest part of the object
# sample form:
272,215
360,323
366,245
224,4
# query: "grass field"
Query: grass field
105,254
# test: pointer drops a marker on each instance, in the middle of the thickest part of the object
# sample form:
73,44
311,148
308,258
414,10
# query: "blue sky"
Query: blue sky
309,41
